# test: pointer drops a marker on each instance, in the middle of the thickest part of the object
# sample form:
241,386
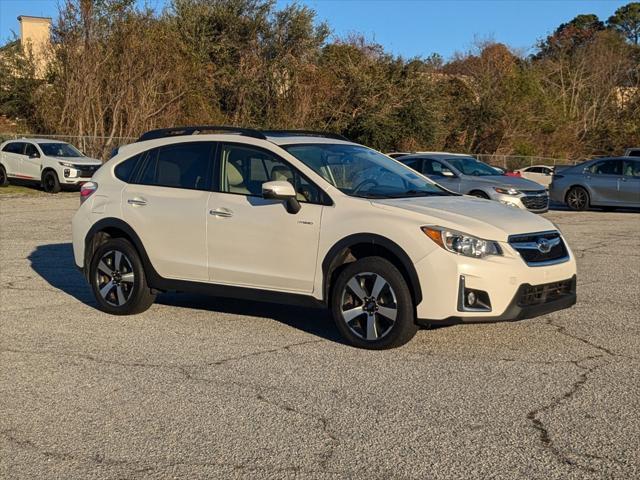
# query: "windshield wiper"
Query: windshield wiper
419,193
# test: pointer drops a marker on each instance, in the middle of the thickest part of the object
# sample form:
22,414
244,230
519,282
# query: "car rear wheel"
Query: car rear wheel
118,280
4,181
50,182
577,198
372,305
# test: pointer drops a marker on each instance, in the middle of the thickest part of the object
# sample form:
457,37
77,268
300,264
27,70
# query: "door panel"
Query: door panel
603,178
31,166
13,158
255,242
171,223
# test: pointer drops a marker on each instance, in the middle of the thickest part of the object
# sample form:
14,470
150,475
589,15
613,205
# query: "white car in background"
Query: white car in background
50,163
542,174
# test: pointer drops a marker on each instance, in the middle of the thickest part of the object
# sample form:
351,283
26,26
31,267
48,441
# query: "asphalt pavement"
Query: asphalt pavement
201,387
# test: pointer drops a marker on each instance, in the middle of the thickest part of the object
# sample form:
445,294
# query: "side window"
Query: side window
244,169
607,167
182,165
14,147
631,168
433,167
634,153
124,170
415,163
534,170
30,150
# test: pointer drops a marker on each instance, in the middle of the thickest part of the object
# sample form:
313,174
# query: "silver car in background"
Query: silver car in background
465,174
603,182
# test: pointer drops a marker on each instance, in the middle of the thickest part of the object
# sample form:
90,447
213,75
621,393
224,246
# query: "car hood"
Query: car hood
506,181
79,160
486,219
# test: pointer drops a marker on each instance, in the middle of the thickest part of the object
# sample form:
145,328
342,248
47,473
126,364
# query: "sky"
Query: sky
407,27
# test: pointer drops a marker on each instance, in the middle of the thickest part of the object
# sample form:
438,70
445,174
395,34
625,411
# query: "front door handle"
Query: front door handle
137,201
221,212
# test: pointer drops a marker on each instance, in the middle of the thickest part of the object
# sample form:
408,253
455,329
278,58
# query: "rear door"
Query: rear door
12,154
630,183
166,205
603,178
253,241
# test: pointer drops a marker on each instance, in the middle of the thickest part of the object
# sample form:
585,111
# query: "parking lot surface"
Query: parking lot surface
202,387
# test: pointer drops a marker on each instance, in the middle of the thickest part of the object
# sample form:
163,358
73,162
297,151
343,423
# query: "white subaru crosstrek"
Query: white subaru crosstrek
303,217
51,163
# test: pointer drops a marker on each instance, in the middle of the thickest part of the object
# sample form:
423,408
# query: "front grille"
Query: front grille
535,200
537,249
87,171
549,292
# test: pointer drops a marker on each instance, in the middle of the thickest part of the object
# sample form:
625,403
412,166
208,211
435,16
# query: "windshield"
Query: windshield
361,172
60,150
471,166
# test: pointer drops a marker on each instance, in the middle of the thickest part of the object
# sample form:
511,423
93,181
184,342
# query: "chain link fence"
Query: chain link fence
515,162
92,146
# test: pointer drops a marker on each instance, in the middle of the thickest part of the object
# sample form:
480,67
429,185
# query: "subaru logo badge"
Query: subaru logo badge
544,245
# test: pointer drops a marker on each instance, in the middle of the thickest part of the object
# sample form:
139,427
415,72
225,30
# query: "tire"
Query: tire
50,182
577,199
354,291
479,194
4,181
117,279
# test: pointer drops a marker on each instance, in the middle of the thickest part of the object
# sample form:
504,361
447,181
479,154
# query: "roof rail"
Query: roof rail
309,133
196,129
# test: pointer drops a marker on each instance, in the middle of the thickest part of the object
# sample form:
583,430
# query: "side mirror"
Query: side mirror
447,173
34,155
282,190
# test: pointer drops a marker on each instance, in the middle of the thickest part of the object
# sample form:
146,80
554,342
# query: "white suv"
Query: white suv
303,217
51,163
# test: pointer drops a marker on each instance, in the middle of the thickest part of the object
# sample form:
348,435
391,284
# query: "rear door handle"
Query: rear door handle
221,212
137,201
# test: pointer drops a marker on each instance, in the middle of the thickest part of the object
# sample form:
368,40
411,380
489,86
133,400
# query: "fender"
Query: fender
334,257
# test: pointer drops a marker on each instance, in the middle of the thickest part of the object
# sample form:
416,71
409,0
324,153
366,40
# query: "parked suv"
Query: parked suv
465,174
299,217
51,163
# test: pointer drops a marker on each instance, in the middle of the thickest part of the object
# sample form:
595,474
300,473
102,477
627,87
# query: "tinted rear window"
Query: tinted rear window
184,165
124,170
14,147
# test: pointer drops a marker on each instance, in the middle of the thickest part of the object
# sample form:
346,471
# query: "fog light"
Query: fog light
471,298
66,172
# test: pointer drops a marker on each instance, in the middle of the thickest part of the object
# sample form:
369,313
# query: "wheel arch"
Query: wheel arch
361,245
115,228
578,185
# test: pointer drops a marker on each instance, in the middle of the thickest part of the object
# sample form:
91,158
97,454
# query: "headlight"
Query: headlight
67,164
461,243
507,191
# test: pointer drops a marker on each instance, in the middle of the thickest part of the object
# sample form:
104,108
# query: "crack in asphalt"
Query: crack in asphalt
534,415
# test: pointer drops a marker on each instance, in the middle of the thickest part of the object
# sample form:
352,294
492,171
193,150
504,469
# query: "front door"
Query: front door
253,241
166,205
31,161
604,179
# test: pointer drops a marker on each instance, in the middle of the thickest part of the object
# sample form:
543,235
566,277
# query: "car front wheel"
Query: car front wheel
4,181
577,198
372,305
50,182
118,280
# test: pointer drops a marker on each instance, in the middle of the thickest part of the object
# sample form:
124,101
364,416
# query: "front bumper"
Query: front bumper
518,309
501,277
532,203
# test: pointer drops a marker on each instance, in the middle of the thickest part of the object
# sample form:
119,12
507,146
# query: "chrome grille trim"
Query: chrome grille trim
528,246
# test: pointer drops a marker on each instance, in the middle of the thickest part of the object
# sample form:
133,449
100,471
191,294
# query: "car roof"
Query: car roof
436,155
302,139
35,140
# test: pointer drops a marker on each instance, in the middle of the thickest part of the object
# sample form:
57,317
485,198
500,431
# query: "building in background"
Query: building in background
35,35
